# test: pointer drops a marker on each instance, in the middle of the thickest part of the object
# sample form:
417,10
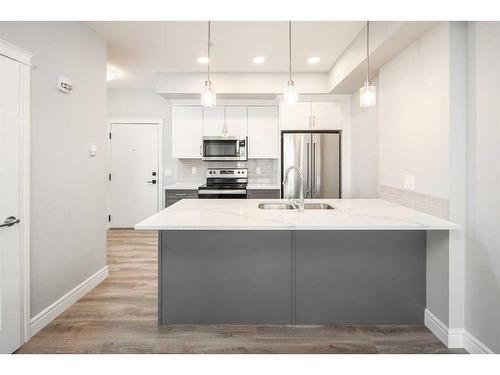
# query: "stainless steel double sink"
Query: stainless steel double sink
288,206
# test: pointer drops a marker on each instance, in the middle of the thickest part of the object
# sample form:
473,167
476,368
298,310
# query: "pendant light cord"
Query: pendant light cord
367,53
290,48
208,66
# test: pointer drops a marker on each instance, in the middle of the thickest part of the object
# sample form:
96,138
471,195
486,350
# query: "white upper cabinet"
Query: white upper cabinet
214,121
236,121
311,116
263,133
187,125
220,121
326,115
295,117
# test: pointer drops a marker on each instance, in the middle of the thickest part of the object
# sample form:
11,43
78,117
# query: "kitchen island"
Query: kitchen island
231,262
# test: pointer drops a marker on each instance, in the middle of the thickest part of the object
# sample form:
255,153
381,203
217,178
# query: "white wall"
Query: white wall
414,115
68,238
145,104
482,269
364,149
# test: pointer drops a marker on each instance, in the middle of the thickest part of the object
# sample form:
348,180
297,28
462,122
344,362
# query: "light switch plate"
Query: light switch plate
409,182
257,170
168,173
193,170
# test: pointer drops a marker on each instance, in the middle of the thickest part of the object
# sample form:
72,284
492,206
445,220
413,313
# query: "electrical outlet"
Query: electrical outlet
257,170
193,170
409,182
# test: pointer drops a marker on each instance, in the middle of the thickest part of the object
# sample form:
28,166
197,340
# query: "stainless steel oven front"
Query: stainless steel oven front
225,148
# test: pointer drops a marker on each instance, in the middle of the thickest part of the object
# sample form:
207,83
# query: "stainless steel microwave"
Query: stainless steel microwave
225,148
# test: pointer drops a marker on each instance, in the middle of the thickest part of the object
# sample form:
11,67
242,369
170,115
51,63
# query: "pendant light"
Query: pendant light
290,95
367,93
208,96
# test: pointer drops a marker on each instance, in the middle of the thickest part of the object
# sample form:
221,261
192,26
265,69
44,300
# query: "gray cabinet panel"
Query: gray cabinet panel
360,277
263,194
215,277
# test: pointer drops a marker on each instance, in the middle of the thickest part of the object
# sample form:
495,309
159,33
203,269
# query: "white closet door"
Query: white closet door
10,206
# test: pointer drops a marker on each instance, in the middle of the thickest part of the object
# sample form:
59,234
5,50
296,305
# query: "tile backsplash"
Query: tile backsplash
269,172
421,202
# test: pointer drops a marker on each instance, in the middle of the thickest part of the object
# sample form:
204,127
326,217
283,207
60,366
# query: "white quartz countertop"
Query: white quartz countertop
244,214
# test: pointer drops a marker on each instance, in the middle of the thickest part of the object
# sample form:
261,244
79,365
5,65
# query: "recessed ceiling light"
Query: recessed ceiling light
313,60
259,59
112,73
202,60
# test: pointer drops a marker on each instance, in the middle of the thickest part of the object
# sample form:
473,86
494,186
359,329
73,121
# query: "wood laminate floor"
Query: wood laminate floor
119,316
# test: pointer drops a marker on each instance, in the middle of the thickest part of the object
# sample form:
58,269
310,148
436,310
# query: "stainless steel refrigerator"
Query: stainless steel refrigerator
317,154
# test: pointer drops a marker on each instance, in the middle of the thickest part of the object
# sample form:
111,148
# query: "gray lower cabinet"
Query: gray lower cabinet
292,277
173,196
263,194
229,277
362,277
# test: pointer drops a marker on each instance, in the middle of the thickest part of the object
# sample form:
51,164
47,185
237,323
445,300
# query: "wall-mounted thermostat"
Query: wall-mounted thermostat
64,84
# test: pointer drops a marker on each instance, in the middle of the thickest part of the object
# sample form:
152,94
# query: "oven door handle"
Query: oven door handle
222,191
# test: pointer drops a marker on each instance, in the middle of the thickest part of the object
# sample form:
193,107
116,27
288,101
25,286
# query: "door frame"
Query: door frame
24,58
160,123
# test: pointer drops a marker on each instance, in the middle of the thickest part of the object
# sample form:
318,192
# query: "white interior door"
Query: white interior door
134,173
10,207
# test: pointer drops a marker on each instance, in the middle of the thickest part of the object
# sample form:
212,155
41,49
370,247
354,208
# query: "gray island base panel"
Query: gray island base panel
292,277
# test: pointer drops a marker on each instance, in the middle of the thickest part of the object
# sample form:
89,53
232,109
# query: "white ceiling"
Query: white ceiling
142,49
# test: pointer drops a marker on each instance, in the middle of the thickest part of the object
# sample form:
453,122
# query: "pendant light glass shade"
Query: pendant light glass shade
367,96
367,93
290,95
208,95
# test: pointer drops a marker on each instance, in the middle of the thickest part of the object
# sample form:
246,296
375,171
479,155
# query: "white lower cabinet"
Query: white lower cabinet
263,133
187,125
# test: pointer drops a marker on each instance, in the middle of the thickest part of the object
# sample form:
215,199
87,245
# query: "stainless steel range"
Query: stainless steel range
224,183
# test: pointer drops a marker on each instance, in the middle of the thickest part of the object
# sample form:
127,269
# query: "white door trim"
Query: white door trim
160,123
24,58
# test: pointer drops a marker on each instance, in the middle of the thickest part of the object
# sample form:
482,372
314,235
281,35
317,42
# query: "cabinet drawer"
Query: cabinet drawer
263,194
181,194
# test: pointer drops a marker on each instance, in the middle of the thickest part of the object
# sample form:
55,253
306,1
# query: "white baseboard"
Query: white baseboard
53,311
474,346
454,338
436,326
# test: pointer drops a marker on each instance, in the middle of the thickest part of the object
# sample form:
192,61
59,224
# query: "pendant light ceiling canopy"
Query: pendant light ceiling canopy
367,93
208,95
290,94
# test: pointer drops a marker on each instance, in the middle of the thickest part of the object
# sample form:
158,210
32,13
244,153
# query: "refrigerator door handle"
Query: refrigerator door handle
314,187
308,186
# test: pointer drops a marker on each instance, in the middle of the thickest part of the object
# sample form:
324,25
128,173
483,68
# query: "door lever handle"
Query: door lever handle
10,221
151,182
